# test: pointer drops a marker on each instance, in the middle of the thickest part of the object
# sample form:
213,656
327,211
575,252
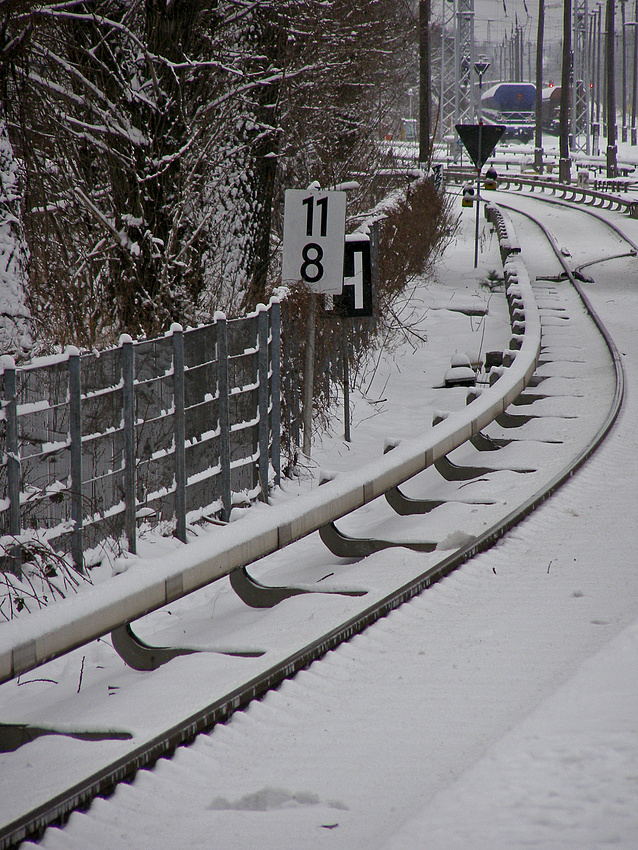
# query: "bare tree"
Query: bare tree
15,318
156,139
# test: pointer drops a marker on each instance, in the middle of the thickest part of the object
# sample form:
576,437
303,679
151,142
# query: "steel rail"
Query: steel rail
611,346
573,205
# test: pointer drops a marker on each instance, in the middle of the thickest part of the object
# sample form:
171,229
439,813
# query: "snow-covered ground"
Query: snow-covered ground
565,776
496,710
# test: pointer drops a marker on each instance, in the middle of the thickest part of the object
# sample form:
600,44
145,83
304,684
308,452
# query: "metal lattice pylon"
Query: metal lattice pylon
581,78
457,100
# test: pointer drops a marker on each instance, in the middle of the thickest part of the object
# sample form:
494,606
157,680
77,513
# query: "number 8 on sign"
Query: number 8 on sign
314,262
314,236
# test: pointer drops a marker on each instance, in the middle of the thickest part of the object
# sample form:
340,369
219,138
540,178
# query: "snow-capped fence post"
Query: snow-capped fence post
223,414
128,416
13,458
179,431
262,399
275,390
290,384
75,447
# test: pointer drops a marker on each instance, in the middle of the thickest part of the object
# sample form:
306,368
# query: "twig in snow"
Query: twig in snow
81,673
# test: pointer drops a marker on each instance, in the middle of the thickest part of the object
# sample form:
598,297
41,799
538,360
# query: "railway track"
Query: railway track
539,441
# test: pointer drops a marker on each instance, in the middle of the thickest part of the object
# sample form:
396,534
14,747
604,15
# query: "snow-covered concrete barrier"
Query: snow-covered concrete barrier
30,641
604,194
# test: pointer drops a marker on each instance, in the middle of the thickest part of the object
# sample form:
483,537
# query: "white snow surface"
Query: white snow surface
499,709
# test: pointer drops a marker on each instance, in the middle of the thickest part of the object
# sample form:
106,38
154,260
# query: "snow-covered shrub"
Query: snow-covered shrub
44,575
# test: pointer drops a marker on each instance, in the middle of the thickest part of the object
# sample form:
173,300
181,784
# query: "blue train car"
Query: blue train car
511,104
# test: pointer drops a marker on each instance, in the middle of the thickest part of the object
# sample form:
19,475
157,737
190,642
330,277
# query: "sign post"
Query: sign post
314,235
479,140
313,250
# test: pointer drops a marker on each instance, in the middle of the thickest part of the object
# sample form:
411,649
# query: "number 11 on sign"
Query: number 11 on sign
314,234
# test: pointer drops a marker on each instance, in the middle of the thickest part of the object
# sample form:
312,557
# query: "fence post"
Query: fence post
128,415
223,414
275,330
75,447
13,460
262,398
179,431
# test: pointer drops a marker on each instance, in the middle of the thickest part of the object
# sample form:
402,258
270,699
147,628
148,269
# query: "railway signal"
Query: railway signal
481,68
355,302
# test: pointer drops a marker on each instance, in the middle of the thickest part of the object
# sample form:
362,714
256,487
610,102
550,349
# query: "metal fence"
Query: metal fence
162,430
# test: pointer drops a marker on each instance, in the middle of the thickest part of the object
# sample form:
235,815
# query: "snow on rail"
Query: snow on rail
28,642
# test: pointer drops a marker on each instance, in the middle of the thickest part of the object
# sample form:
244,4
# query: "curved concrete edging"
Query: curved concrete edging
30,641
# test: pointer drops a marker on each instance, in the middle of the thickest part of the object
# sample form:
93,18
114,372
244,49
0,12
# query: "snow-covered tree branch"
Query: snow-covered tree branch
156,138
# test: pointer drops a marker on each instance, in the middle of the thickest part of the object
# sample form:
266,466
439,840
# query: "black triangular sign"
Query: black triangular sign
480,140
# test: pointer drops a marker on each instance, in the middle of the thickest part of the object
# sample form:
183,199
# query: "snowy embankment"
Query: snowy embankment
564,778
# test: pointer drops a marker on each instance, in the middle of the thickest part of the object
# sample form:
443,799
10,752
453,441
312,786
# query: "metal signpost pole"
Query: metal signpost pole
538,106
313,251
478,195
479,140
612,164
480,67
309,375
346,381
564,162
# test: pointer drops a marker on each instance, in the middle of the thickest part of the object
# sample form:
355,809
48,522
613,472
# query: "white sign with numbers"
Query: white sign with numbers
314,235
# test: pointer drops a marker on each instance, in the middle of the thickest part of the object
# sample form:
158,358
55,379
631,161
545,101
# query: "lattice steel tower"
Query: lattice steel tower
581,79
457,96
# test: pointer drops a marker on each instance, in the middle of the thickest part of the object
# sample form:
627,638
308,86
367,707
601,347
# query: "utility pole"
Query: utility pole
538,143
424,82
624,72
480,67
634,78
564,163
599,53
612,164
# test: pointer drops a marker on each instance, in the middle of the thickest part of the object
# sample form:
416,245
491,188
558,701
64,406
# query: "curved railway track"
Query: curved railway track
550,420
631,249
